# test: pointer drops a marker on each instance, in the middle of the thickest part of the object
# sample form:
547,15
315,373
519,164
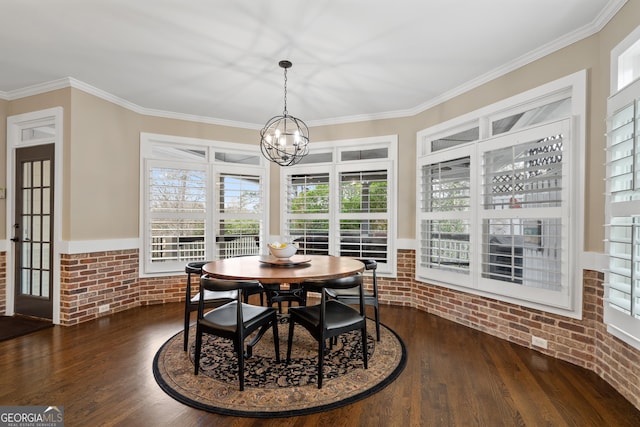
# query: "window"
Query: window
494,213
622,279
344,207
202,200
625,62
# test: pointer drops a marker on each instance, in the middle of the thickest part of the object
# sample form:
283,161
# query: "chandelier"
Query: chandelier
284,139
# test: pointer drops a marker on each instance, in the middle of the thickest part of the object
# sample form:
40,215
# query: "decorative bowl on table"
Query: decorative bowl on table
282,250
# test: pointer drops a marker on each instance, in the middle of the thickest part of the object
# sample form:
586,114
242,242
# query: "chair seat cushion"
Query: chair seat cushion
215,295
338,315
225,317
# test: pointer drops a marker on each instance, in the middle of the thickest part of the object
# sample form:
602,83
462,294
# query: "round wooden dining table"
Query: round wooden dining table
296,269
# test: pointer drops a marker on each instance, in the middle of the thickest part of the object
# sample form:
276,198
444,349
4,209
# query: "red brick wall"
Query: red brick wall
91,280
3,283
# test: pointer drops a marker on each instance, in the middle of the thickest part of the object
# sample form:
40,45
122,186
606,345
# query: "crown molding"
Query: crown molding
609,11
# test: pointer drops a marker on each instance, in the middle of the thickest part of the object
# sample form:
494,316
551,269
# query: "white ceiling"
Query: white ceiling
352,59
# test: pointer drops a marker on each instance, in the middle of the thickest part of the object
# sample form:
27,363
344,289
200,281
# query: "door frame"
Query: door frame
15,125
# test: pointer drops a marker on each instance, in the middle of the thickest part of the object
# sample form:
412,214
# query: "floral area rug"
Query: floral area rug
275,389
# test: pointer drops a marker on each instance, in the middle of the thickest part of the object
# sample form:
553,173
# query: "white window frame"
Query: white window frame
149,142
333,168
619,324
570,304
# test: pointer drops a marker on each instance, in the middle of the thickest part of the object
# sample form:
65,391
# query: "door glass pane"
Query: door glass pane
36,255
37,174
36,231
26,254
46,228
46,201
45,283
25,284
46,265
26,175
46,173
35,283
37,200
26,201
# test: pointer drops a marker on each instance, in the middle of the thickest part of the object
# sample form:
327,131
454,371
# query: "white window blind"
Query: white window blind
177,200
364,218
307,208
622,279
525,208
239,202
446,191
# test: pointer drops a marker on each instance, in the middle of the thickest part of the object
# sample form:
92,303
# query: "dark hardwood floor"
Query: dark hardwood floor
100,372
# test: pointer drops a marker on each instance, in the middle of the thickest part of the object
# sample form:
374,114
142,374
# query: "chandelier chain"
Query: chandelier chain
285,92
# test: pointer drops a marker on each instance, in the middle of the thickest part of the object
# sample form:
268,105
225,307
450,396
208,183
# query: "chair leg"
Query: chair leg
376,310
276,338
365,353
196,359
321,347
240,352
187,314
289,341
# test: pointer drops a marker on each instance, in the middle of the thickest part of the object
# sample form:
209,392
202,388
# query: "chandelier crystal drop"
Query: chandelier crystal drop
284,139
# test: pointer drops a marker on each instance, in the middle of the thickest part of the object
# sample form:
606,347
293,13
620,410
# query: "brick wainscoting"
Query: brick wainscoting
3,283
92,280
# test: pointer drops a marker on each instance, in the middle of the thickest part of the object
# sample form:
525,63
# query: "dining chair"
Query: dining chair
211,299
235,321
330,318
351,296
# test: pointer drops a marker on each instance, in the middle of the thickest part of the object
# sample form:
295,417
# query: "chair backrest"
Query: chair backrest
340,282
372,265
336,283
215,284
194,267
218,285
